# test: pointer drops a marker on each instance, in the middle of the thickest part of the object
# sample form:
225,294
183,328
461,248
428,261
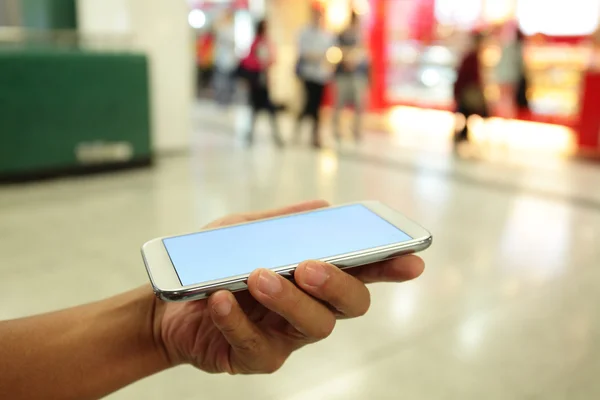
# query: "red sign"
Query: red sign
422,21
589,127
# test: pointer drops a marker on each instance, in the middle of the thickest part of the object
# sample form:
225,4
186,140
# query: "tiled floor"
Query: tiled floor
507,309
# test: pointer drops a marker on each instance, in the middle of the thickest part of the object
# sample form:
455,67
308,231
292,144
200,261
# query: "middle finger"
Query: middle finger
306,314
330,284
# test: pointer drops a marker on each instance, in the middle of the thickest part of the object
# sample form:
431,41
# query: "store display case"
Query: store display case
555,75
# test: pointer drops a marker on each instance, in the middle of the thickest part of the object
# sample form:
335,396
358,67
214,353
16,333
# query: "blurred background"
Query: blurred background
125,120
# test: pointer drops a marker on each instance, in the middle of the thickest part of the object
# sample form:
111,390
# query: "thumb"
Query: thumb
251,352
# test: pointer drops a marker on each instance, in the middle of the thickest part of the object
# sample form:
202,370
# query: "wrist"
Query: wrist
153,329
139,313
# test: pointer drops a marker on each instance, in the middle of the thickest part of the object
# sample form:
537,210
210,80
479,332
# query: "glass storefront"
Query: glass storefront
422,42
417,45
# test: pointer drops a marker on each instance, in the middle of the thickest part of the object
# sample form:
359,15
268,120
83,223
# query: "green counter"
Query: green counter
49,14
72,111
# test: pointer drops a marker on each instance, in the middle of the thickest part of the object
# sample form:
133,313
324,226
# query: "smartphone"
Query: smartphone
192,266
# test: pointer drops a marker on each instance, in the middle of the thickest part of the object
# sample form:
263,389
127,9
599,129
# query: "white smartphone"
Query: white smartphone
192,266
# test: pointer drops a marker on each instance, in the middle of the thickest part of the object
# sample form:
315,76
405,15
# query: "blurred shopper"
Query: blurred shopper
511,74
315,72
225,58
254,68
351,76
522,100
469,88
205,59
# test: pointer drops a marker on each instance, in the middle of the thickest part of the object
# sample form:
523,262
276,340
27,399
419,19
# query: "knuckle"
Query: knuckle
325,329
352,297
295,300
339,293
290,298
230,327
360,308
338,300
252,345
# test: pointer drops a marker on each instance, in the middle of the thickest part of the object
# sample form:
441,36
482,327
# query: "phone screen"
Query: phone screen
238,250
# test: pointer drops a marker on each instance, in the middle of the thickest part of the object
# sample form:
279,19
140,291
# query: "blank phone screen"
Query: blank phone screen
238,250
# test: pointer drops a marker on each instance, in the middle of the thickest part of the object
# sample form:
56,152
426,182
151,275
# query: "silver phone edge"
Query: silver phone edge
239,284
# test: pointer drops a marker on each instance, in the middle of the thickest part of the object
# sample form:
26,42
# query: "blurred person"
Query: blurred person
205,58
521,98
255,69
226,60
90,351
469,87
315,72
511,72
351,76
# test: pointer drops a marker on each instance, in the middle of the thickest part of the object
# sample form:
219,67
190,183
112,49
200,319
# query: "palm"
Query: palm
189,331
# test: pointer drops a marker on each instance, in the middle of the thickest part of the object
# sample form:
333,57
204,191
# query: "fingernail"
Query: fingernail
222,308
269,283
316,275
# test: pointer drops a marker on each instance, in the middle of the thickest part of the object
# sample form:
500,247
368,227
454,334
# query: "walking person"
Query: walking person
521,99
314,71
205,61
255,68
469,88
351,77
226,60
511,74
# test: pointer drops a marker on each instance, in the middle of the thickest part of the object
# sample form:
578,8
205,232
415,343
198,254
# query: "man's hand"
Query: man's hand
257,330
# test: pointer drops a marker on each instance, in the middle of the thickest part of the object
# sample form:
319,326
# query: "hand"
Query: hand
257,330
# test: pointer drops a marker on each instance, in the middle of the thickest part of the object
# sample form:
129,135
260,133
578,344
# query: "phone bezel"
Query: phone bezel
167,285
